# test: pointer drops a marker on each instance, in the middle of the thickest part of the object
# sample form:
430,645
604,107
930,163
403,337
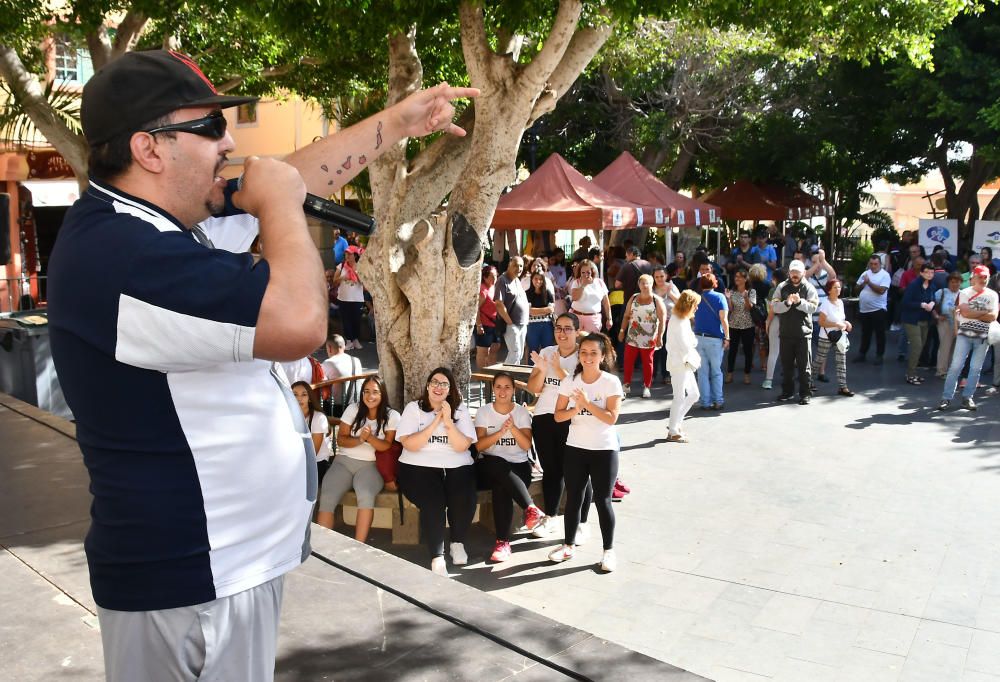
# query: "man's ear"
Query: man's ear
147,152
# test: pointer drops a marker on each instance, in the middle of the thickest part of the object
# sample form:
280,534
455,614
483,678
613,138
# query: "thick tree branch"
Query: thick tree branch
99,45
480,60
584,44
32,97
129,31
538,72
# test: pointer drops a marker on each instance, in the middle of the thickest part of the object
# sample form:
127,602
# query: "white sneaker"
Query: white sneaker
546,527
626,390
561,553
439,567
609,561
646,393
582,535
458,555
357,345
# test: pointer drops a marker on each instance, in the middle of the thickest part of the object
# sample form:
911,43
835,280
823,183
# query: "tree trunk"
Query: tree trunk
963,202
423,267
71,145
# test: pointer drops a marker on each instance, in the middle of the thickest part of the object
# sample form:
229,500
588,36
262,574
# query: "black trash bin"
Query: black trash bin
26,368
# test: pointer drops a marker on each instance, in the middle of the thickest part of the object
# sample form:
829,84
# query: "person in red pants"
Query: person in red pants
643,325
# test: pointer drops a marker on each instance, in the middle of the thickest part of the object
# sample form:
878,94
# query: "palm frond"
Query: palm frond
17,130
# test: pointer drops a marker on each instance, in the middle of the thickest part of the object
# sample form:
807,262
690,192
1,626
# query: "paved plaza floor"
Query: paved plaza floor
853,539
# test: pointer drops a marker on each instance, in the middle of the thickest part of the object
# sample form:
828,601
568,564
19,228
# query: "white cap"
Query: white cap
796,265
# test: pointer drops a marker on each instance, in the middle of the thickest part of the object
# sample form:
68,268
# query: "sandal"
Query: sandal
844,391
677,438
916,381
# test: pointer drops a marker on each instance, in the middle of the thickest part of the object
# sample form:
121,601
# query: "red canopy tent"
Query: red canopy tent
743,200
629,179
805,204
557,197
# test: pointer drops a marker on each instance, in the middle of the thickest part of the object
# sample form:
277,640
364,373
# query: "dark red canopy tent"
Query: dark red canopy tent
629,179
743,200
557,196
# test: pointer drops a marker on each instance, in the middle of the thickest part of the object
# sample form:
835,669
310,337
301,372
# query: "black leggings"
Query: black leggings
440,494
550,444
746,337
509,483
599,467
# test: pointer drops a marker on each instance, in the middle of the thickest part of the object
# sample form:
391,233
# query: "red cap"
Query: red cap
981,271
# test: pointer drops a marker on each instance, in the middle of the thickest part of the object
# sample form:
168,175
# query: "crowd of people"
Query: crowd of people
688,323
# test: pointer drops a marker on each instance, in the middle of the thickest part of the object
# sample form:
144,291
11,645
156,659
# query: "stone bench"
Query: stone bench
406,523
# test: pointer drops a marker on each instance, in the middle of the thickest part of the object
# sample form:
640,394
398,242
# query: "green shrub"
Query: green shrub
857,264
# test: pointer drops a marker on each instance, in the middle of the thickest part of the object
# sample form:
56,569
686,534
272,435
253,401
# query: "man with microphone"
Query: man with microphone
200,465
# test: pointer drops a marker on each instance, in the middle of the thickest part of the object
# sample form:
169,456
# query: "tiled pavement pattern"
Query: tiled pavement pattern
852,539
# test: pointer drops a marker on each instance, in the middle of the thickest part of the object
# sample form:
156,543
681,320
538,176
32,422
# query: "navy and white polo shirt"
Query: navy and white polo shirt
203,483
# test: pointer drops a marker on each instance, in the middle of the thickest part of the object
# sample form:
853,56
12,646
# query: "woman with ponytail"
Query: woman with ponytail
590,401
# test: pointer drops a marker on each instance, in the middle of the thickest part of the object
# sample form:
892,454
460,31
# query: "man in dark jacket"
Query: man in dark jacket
794,302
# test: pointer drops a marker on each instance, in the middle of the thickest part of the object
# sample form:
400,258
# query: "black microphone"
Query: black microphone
332,213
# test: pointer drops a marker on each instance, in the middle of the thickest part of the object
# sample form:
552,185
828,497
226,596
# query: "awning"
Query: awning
557,196
629,179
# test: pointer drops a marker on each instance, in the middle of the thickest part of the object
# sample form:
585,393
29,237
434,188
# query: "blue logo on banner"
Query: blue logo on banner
938,234
995,236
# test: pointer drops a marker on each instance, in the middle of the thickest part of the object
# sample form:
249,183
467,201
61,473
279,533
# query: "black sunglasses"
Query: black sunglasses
212,126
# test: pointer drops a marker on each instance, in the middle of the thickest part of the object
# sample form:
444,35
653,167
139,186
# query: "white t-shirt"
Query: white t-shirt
507,448
834,313
298,370
585,430
590,300
546,403
348,290
320,424
340,365
868,300
437,452
364,451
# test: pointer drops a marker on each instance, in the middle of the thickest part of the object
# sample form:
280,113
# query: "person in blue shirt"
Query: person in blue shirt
762,252
918,302
339,247
711,326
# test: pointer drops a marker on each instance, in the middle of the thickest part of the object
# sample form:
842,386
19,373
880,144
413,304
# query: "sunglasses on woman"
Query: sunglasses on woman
212,126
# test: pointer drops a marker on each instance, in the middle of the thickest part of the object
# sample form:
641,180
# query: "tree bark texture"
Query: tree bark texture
423,265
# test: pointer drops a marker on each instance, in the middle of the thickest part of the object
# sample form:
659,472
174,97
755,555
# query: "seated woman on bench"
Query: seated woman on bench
364,428
435,470
504,430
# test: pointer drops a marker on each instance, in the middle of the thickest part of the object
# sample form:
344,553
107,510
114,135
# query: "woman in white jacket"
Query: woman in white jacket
682,361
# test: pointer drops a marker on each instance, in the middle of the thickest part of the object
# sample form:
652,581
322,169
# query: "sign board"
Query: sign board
943,232
659,216
48,165
987,234
639,216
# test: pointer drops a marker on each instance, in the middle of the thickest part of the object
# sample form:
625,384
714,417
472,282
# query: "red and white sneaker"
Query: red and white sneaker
501,551
621,486
532,517
562,553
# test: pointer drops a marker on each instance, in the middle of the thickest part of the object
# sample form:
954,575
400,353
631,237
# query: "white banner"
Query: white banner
987,234
659,216
639,216
943,232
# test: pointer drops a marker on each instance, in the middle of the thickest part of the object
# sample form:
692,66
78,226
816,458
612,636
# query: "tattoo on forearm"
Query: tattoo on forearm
346,165
378,135
362,159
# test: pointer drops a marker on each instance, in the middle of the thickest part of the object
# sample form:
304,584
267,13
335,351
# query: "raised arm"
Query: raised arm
330,163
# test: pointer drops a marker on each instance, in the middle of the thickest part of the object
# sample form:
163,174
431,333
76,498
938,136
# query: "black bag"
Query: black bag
758,313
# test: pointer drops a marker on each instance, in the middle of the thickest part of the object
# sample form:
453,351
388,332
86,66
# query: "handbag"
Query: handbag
387,461
993,335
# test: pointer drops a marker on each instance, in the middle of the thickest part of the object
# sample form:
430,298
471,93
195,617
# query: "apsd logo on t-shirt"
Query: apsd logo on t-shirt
438,439
507,442
552,381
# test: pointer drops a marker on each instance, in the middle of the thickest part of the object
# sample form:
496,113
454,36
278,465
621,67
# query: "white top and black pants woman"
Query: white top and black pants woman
591,455
439,480
548,434
505,466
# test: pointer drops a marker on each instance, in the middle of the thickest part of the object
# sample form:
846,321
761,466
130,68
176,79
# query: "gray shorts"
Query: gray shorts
346,473
231,638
